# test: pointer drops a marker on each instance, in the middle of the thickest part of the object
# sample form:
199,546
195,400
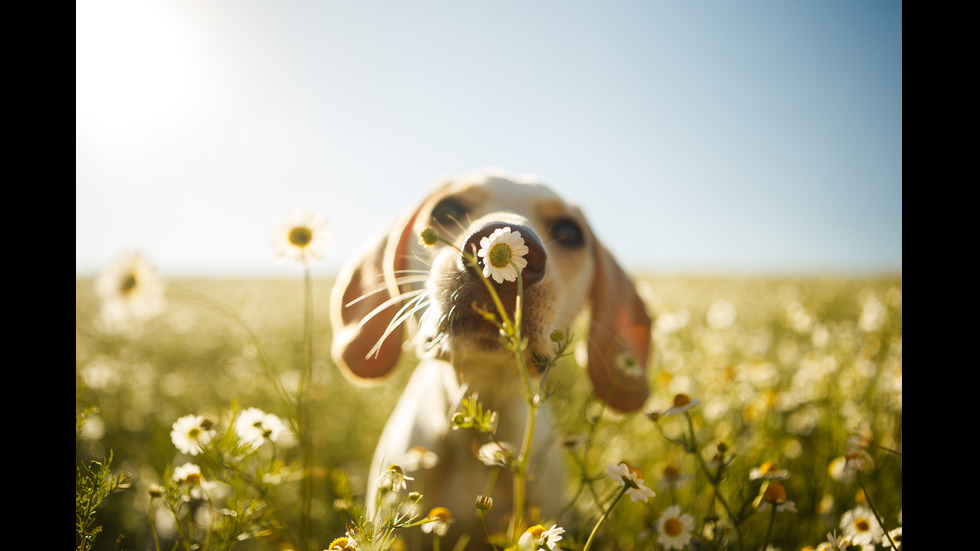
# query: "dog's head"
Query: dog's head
400,279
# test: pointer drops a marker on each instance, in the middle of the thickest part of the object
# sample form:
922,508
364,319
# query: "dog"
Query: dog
399,281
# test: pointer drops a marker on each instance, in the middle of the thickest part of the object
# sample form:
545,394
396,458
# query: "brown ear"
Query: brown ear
620,341
363,286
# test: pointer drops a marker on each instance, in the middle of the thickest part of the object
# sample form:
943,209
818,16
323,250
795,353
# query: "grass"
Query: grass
783,371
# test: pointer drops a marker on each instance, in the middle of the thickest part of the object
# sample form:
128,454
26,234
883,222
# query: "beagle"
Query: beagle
400,281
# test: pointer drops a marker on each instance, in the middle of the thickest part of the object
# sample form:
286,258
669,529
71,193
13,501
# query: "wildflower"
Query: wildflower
775,494
672,477
682,403
860,526
342,544
300,238
188,473
498,251
484,503
437,522
630,478
536,537
393,479
721,314
430,236
130,292
418,457
496,454
254,426
190,433
675,528
894,535
768,471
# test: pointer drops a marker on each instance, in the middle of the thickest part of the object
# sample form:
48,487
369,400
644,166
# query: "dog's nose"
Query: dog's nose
536,258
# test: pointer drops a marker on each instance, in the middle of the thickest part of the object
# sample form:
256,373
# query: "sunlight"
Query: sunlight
137,76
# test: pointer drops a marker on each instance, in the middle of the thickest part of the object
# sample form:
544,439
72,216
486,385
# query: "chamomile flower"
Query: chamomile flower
632,479
682,402
419,457
536,537
342,544
775,495
130,292
496,454
254,426
768,471
672,478
860,526
190,433
438,523
188,473
300,238
894,535
675,528
499,250
394,479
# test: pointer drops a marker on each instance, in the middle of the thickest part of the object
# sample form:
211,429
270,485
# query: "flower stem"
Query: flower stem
602,519
303,404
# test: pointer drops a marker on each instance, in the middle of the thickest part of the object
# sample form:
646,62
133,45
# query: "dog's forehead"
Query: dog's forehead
503,194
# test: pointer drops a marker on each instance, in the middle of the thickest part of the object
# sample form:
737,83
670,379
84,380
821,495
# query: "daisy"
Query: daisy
775,494
394,479
498,252
342,544
419,457
300,238
190,433
438,521
496,454
675,528
254,426
860,526
188,473
768,471
672,478
894,535
536,537
682,403
130,292
632,479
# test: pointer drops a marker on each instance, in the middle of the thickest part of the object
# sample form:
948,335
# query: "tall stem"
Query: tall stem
303,405
602,519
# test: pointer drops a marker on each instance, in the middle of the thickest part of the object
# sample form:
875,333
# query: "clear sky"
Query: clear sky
757,136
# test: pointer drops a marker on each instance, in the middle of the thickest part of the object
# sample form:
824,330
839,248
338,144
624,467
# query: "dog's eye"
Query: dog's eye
567,233
449,212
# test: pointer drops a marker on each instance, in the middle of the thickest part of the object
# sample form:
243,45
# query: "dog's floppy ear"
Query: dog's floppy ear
620,341
363,286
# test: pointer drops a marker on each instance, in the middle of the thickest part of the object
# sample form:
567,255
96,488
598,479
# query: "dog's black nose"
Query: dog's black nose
535,256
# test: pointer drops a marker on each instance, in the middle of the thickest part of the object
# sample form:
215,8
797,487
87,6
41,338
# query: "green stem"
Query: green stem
602,519
772,522
874,510
303,400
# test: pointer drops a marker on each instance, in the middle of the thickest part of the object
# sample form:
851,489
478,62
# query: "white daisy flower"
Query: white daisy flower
536,537
130,291
393,479
254,426
301,238
438,521
188,473
190,433
768,471
499,250
632,479
675,528
496,454
860,526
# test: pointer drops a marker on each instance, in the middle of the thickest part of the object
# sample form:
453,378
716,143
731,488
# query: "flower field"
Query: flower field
211,417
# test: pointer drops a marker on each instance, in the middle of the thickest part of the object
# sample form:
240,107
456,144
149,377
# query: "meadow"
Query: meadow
775,421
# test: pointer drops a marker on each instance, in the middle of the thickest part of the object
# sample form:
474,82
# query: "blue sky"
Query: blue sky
759,136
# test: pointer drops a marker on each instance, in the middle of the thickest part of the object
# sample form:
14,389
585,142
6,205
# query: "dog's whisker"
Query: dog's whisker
389,303
404,313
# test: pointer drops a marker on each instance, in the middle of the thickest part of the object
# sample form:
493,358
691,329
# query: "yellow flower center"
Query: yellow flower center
194,433
681,400
128,283
862,524
671,471
194,478
775,493
673,527
440,513
300,236
339,544
500,255
768,467
536,531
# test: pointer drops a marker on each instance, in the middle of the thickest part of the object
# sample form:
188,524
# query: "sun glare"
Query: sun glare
136,75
